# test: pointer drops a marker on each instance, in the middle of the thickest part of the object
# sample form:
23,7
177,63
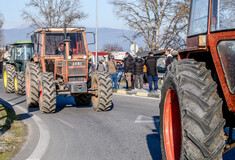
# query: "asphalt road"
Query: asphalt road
130,131
127,132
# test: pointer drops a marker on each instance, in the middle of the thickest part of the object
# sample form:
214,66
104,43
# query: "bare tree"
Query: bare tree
112,47
162,23
1,24
1,35
53,13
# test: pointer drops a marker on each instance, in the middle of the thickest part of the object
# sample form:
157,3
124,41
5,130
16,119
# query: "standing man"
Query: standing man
129,69
112,70
139,63
169,58
152,72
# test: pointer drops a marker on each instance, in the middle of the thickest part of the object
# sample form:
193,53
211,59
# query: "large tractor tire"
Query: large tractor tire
83,99
103,100
8,78
31,82
47,93
20,83
191,121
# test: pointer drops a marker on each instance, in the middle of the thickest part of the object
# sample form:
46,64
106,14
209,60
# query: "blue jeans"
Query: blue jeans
119,76
113,77
151,80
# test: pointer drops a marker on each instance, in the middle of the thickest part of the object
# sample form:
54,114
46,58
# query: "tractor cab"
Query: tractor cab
211,32
20,53
64,52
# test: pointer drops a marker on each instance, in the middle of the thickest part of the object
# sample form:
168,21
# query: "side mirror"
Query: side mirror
7,48
91,38
34,38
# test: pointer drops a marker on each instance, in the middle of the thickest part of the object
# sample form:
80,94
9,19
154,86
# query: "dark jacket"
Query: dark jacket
151,64
139,63
169,60
129,64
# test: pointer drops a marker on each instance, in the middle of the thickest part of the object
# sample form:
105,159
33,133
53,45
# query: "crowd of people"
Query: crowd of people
136,71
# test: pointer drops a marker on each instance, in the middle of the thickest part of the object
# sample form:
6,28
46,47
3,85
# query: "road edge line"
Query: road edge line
44,137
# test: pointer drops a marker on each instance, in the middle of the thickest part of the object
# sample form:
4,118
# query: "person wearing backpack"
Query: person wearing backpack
112,70
100,67
139,63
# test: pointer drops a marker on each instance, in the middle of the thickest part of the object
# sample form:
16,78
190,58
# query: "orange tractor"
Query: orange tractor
198,96
60,67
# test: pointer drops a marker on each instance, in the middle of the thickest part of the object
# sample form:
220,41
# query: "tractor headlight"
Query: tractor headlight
85,57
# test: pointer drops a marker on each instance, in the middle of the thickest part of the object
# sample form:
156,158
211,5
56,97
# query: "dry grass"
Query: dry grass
14,131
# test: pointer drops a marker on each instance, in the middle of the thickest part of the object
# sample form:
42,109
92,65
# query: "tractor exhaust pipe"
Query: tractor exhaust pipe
66,44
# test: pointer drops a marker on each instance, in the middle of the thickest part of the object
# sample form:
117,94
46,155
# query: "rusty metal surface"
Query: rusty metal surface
213,40
192,41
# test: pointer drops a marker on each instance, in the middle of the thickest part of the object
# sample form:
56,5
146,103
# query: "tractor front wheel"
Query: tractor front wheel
191,121
8,78
31,81
47,93
101,82
20,83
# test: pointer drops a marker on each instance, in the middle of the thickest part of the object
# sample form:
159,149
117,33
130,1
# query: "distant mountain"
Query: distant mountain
15,34
105,36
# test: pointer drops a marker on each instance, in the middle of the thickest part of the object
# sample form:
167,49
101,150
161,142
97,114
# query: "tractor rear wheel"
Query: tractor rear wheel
47,93
191,121
103,100
82,99
20,83
31,83
8,77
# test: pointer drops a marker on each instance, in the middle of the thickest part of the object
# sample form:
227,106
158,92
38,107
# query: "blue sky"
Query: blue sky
11,9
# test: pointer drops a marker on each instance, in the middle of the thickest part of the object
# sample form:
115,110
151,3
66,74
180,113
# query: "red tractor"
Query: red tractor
198,96
60,67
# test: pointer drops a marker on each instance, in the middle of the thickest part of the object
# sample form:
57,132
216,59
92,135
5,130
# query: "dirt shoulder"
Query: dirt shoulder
12,133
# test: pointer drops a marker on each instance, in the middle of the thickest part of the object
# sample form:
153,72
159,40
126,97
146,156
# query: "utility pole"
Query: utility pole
96,54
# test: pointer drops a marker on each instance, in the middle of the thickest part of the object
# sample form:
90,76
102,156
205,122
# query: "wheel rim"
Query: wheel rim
16,84
5,78
172,126
28,85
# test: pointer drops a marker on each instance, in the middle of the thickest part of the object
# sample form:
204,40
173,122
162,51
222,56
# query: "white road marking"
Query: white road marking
44,136
126,95
145,119
65,122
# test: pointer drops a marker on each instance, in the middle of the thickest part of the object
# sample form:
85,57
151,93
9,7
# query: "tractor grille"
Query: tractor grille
76,79
77,71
